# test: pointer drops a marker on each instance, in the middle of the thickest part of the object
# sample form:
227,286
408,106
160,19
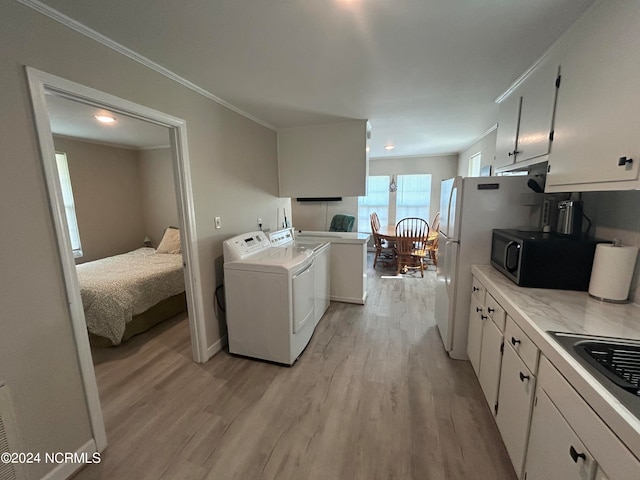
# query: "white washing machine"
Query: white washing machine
270,298
321,260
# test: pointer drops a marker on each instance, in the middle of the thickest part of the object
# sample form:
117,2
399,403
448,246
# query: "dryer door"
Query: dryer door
303,290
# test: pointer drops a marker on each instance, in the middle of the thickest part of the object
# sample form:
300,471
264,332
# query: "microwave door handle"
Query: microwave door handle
510,245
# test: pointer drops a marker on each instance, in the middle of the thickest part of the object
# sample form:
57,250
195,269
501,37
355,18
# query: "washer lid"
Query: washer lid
283,260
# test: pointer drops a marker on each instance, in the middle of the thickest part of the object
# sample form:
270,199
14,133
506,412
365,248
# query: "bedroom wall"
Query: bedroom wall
108,198
159,204
234,170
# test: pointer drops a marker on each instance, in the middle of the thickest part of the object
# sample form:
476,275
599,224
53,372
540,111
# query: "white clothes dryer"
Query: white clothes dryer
270,298
322,265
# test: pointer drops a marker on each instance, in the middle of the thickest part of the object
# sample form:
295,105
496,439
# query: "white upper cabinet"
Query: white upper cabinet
507,136
525,120
597,121
323,160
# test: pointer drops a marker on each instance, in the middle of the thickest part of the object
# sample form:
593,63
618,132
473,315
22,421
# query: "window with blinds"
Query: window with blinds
69,205
377,200
413,197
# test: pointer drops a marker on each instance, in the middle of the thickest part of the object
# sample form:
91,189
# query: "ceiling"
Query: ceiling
424,72
75,119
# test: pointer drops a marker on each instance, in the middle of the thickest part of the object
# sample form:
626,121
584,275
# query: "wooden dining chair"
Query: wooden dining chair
384,251
411,244
432,240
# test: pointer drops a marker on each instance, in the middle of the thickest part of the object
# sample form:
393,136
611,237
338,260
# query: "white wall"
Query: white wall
318,215
234,170
486,146
439,166
157,188
617,215
107,196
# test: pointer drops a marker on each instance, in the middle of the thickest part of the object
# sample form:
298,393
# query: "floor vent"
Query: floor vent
8,471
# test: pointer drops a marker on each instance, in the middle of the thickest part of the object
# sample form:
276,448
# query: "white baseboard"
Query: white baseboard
64,470
216,347
359,301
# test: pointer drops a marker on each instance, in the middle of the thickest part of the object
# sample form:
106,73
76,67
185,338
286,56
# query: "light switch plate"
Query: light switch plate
218,222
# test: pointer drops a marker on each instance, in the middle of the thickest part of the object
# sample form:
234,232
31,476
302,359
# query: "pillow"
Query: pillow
170,242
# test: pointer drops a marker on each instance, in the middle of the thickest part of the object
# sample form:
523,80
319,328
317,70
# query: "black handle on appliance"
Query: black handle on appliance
491,310
623,161
478,309
475,289
514,153
524,377
510,245
483,317
514,341
575,455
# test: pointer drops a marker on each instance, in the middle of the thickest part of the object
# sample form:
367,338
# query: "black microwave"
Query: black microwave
543,260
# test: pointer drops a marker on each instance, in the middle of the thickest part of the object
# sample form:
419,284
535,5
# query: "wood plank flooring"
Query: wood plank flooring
374,396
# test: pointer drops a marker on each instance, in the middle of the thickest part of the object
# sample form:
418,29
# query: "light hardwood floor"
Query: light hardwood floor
374,396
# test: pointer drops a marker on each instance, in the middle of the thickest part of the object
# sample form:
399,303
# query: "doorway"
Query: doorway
42,84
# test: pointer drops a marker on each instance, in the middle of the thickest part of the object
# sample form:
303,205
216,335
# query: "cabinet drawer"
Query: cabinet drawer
495,311
478,291
522,344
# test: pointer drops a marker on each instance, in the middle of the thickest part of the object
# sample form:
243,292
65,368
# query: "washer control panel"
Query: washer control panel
243,245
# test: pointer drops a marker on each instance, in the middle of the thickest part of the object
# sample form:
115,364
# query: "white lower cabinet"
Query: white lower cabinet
569,440
600,475
549,431
554,449
474,336
517,387
490,362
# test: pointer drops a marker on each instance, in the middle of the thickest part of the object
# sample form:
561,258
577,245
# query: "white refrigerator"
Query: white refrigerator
470,208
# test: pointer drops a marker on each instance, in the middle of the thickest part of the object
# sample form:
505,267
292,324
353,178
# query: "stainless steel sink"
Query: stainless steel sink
614,362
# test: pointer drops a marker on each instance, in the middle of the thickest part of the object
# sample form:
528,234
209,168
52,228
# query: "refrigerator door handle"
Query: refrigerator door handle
447,267
449,232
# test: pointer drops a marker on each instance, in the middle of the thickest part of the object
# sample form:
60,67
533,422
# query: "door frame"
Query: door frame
42,82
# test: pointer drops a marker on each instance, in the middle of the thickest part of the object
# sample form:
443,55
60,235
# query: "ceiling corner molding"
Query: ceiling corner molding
106,41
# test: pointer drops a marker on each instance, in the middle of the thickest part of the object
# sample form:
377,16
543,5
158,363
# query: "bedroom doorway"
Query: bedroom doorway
41,85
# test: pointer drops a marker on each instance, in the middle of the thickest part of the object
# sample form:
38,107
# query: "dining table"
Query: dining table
388,232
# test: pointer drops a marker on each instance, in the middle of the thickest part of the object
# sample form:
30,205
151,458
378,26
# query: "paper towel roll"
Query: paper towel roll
612,272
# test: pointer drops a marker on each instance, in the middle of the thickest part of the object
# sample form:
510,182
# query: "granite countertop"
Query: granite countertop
334,237
537,311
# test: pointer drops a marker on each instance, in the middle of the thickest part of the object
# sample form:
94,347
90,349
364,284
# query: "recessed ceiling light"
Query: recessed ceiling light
389,147
104,118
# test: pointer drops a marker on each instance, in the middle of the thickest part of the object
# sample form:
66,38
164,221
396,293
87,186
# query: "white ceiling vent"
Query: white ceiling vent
8,437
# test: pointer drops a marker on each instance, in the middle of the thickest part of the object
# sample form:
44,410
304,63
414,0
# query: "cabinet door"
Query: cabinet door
506,138
474,337
597,119
490,362
517,386
554,449
536,114
600,475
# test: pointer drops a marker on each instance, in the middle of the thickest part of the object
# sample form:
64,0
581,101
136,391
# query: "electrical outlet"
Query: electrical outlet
218,222
259,222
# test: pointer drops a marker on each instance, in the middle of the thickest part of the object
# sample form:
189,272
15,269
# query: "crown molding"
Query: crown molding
106,41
